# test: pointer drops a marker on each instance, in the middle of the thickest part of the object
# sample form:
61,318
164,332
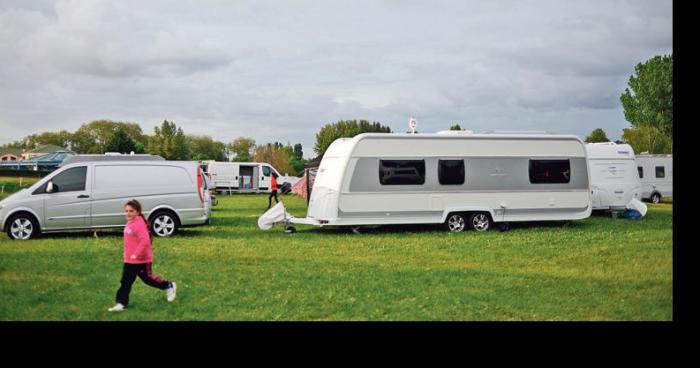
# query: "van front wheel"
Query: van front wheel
22,227
164,224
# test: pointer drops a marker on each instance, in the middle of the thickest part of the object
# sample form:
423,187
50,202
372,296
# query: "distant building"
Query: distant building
42,151
47,162
11,155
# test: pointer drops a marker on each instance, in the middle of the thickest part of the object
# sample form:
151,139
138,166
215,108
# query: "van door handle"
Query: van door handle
83,196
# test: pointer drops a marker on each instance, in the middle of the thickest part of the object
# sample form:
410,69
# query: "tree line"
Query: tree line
170,141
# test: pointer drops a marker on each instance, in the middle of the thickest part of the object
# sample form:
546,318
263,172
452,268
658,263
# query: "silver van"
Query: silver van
92,195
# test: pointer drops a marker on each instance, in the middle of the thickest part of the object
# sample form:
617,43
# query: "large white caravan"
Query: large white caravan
242,177
461,180
656,175
613,173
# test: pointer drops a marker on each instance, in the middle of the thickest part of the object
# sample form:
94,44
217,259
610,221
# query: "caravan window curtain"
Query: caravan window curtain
550,171
402,172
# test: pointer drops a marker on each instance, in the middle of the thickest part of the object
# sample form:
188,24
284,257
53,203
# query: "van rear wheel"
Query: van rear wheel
164,223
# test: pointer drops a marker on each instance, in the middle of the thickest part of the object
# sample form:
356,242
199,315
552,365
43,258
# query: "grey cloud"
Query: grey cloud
280,70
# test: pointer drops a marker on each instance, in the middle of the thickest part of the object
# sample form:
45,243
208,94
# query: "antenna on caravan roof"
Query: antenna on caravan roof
412,123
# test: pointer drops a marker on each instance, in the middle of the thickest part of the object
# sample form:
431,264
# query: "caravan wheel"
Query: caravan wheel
656,198
480,221
456,223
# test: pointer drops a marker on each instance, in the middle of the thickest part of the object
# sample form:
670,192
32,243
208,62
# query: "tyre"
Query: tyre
656,198
456,222
164,223
22,227
480,221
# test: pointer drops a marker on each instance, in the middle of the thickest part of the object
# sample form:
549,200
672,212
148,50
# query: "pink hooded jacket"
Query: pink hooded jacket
137,241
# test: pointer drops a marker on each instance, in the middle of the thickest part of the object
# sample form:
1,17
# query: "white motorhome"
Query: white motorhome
656,175
613,174
241,177
92,194
457,179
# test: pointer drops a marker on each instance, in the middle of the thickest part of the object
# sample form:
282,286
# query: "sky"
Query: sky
280,70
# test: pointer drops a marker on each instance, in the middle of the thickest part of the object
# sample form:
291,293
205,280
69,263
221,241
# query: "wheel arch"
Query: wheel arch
468,210
20,210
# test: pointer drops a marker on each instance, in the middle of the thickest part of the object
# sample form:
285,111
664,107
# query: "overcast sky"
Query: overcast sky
280,70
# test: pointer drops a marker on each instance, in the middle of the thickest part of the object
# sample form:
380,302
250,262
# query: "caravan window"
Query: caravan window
451,172
550,171
641,171
660,172
402,172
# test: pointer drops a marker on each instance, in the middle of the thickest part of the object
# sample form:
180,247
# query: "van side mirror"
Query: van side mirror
49,187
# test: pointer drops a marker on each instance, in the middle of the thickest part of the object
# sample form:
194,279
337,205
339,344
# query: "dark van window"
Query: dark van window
641,171
266,170
401,172
451,172
660,172
550,171
70,180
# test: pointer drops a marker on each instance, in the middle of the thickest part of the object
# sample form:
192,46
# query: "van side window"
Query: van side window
71,180
451,172
641,171
402,172
266,170
660,172
550,171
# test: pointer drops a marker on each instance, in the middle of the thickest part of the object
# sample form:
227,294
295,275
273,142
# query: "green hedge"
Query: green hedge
24,173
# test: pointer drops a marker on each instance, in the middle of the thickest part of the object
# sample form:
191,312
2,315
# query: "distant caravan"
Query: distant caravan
460,180
613,173
656,175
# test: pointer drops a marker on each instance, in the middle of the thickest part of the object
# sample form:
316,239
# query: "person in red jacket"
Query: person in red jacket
273,188
138,258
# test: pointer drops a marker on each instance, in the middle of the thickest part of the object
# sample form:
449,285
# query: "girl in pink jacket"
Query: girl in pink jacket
138,258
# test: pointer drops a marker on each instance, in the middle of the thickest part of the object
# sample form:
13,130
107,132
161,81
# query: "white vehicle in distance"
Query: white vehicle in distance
656,174
242,177
613,173
458,179
91,195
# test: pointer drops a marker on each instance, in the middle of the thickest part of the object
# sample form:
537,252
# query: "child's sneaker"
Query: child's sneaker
117,308
171,291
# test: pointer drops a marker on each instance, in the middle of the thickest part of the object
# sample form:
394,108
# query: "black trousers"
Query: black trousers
269,199
145,272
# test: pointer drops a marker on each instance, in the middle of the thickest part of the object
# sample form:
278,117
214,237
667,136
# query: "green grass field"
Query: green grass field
10,185
595,269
